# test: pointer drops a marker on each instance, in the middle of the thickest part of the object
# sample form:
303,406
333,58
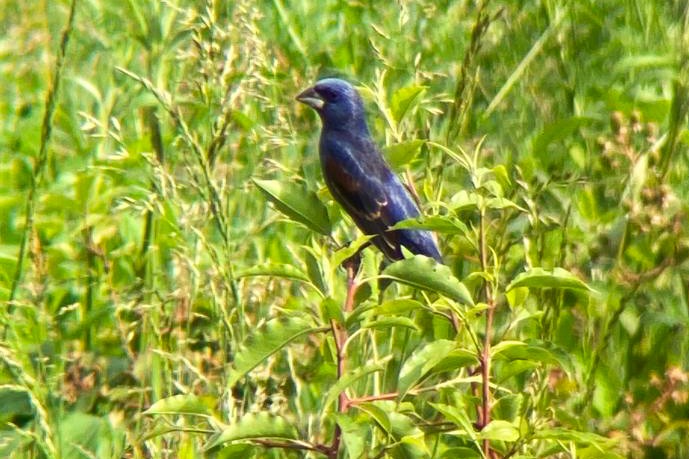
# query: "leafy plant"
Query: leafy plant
179,283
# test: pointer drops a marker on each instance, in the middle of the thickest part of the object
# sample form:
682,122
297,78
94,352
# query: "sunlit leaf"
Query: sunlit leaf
423,272
464,200
460,453
402,100
458,358
351,249
273,270
354,434
398,306
390,322
457,416
179,404
264,342
377,414
533,352
16,403
296,203
542,278
254,426
421,362
401,154
437,223
499,430
563,434
557,131
350,378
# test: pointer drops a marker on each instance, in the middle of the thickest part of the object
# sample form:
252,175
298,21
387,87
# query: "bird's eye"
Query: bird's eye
328,94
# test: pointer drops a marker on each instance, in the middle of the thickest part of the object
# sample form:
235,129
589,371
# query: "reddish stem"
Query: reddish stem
340,336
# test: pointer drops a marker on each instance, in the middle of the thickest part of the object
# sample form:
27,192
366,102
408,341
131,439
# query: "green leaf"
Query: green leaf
253,426
557,131
390,322
423,272
401,154
566,435
398,306
533,352
354,435
641,61
508,407
402,100
437,223
421,362
273,270
542,278
347,252
506,346
179,404
350,378
458,358
267,340
297,203
85,435
377,414
458,417
464,200
517,296
499,430
502,203
16,403
460,453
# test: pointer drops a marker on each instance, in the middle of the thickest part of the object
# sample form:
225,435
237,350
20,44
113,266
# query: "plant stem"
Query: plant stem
340,335
485,353
42,159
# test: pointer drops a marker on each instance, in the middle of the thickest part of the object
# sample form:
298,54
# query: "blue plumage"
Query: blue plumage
357,175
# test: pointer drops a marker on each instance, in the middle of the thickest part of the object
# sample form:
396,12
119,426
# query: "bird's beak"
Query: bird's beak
311,98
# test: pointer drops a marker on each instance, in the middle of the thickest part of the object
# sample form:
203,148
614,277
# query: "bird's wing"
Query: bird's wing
360,192
370,192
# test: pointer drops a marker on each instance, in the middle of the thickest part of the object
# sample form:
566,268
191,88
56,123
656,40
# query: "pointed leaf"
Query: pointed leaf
499,430
567,435
401,154
557,131
349,379
297,203
460,452
253,426
533,352
377,414
354,435
179,404
398,306
423,272
542,278
437,223
390,322
273,270
351,249
402,100
458,358
458,417
267,340
421,362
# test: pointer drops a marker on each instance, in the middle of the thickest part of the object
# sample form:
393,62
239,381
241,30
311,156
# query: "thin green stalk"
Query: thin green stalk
42,159
521,68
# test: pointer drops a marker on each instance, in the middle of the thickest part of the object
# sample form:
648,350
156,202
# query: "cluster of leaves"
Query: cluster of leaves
172,264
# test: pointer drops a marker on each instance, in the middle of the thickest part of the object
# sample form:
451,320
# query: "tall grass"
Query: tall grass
171,262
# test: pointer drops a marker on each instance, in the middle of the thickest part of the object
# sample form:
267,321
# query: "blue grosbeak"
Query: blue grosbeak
358,176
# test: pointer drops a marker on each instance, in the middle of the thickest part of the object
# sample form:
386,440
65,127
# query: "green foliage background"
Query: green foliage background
169,257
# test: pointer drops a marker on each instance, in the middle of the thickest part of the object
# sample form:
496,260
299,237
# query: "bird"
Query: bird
357,174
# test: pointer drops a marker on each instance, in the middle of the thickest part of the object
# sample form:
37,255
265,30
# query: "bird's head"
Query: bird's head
336,102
